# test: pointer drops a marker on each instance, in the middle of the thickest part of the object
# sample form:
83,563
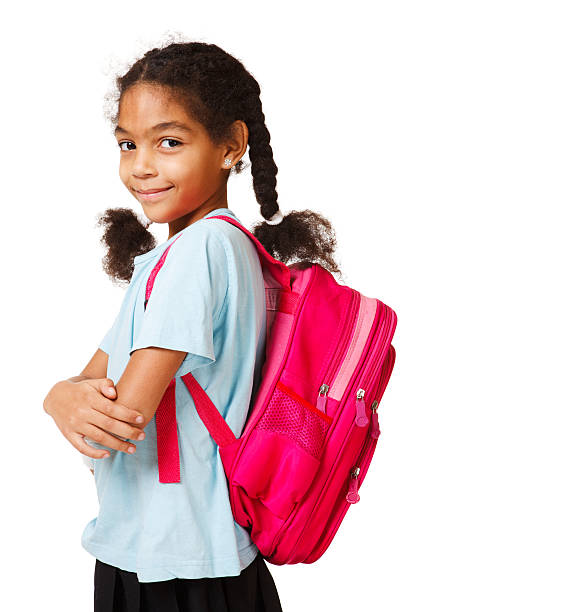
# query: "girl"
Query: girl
184,116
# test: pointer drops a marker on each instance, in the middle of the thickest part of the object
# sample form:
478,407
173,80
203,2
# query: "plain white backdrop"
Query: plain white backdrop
443,141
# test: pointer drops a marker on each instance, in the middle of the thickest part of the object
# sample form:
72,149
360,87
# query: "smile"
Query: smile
153,195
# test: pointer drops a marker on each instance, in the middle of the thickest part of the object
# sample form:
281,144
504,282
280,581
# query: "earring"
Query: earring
228,162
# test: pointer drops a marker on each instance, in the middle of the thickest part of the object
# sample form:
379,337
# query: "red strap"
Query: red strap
166,426
271,266
217,427
154,273
167,436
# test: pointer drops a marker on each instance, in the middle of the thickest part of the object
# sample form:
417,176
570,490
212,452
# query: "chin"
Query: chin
154,216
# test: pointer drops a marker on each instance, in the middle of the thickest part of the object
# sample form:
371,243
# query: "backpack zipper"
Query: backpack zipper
371,437
338,356
373,434
361,419
352,497
354,483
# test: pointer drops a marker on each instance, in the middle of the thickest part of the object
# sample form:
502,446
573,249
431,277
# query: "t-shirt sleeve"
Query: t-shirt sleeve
106,344
187,298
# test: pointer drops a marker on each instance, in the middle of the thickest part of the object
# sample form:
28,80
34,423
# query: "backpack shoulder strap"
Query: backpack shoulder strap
154,273
275,272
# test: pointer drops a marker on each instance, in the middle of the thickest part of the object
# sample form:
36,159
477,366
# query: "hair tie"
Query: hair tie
275,219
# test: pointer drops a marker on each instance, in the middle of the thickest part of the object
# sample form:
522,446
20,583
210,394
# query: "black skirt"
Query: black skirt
254,590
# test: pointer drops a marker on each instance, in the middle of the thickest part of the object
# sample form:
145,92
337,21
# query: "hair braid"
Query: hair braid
263,167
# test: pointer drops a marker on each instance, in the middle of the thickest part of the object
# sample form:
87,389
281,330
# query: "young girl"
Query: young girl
185,114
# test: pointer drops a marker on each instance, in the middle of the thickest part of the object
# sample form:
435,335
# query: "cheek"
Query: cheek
189,175
123,172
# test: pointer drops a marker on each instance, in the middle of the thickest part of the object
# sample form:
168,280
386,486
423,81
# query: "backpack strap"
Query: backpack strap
275,272
166,425
154,273
167,436
277,280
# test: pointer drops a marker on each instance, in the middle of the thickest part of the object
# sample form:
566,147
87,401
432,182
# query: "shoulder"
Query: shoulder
198,243
238,246
197,268
213,244
229,234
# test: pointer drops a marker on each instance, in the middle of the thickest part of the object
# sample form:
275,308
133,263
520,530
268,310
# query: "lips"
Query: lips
148,191
153,195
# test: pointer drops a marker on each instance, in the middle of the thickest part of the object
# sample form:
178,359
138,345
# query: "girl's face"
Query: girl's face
163,148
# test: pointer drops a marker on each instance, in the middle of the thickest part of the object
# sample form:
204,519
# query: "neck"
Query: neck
179,224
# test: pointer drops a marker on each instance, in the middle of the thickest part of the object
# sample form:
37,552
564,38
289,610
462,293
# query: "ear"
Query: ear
236,145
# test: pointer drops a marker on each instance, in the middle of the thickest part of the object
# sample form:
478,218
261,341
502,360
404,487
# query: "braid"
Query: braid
216,89
263,167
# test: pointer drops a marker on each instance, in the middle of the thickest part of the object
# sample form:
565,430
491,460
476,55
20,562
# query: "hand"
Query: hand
88,408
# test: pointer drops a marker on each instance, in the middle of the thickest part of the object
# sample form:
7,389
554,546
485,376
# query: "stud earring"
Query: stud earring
228,162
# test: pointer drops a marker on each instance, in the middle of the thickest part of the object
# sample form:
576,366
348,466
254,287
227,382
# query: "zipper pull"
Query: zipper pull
361,418
375,433
353,497
322,399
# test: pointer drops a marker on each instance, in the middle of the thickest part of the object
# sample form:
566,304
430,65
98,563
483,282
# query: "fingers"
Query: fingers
79,442
107,439
108,388
107,404
110,416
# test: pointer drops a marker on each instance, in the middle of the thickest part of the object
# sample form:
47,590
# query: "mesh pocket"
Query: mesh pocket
290,415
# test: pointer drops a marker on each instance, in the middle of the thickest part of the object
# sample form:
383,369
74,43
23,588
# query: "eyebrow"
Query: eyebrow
165,125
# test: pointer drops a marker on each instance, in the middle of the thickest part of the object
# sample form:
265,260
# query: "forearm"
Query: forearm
146,378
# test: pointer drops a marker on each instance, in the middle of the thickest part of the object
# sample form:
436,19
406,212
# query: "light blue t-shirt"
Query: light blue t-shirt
208,299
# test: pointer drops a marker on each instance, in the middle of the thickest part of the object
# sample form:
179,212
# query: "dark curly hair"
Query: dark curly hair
215,89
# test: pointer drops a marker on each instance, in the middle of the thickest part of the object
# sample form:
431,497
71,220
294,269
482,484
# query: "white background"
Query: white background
443,141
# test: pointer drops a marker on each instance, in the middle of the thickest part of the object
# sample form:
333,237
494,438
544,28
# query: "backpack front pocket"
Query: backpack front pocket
287,443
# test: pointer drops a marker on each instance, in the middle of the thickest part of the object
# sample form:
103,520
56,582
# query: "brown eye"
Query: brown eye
124,142
171,140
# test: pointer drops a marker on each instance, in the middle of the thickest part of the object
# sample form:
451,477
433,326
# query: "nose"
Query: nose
143,163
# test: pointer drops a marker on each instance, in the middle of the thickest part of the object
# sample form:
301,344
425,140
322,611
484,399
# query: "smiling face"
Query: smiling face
165,152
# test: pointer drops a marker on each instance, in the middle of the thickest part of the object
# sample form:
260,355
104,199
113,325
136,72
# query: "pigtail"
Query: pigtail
125,237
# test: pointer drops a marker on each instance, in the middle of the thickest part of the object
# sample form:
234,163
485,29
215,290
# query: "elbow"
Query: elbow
147,413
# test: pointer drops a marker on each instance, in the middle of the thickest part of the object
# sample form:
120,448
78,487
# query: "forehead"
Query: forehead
144,106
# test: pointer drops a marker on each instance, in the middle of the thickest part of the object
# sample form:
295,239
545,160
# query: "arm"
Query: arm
96,368
177,331
146,378
85,405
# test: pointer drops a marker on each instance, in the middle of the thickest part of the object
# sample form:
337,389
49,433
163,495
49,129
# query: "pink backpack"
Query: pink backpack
312,427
